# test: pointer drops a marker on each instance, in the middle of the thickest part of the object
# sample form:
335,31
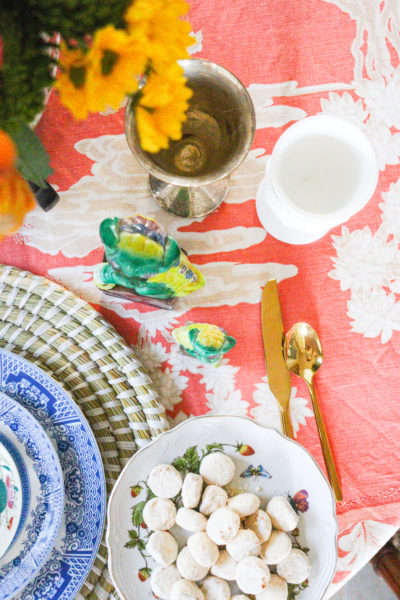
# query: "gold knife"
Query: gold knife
273,336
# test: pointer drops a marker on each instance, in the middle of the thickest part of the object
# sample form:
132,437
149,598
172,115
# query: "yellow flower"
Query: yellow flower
72,81
162,108
145,10
116,60
16,199
167,35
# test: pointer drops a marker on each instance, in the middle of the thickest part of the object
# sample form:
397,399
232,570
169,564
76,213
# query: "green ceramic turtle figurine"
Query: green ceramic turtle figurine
204,341
143,258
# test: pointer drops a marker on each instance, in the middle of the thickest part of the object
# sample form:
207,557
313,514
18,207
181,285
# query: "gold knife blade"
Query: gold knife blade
273,336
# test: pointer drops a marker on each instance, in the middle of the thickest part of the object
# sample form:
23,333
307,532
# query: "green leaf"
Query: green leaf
293,591
180,464
33,160
193,460
133,541
137,513
133,534
141,544
214,447
191,454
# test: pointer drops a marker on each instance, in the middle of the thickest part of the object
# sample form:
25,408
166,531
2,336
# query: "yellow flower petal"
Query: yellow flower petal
109,81
151,139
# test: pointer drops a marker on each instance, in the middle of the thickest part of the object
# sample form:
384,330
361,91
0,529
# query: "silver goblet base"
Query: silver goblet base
190,201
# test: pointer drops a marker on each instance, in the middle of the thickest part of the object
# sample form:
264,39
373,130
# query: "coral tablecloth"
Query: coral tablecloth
296,58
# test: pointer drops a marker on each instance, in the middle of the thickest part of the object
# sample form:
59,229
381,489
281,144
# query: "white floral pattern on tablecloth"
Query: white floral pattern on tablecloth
368,261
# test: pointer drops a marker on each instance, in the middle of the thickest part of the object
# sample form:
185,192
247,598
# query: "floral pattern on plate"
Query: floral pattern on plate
268,462
35,454
11,496
84,512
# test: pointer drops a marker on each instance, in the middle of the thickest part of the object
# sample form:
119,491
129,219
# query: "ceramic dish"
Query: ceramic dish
14,494
25,558
82,524
267,463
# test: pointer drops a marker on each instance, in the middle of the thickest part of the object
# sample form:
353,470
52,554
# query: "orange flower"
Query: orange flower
16,197
7,152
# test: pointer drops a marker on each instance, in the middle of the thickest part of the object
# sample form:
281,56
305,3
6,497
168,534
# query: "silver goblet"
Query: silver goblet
191,177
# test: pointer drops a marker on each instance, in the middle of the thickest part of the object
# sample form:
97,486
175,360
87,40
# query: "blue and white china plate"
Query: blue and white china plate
14,494
34,454
82,525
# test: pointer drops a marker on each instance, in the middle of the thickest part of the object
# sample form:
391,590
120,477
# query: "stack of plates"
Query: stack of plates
52,487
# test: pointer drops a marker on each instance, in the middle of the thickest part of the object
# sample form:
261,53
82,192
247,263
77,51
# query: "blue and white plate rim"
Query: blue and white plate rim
98,459
42,544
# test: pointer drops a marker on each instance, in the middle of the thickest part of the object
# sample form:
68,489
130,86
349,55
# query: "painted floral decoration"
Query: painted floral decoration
139,534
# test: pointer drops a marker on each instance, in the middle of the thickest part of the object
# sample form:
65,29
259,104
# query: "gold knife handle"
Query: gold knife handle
326,449
286,423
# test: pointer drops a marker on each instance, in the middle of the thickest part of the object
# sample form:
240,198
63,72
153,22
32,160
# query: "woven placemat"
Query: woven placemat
67,338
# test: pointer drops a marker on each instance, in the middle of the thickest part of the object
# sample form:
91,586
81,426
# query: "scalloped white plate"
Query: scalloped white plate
291,469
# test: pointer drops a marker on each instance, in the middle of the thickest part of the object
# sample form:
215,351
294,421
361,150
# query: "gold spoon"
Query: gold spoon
303,356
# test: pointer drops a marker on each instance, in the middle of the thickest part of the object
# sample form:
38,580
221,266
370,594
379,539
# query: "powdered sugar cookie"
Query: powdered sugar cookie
188,567
295,568
223,526
225,566
244,504
277,589
282,514
203,550
162,579
245,543
190,519
217,468
163,547
252,575
159,514
191,490
215,588
186,590
277,548
164,481
261,524
213,498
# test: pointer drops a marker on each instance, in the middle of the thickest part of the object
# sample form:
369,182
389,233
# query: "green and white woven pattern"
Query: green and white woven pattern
67,338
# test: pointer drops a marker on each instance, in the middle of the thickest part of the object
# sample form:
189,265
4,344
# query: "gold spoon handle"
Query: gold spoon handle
326,449
286,423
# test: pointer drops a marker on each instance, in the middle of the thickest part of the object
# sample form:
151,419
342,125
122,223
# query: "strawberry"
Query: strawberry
143,525
144,574
244,449
135,490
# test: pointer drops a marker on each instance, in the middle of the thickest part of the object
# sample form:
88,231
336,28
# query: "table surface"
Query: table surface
296,59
